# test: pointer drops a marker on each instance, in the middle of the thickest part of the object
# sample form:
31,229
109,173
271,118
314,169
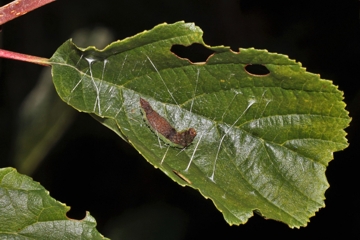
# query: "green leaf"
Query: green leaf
28,212
263,141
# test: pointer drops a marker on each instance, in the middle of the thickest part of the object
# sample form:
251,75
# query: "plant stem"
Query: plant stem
24,57
18,8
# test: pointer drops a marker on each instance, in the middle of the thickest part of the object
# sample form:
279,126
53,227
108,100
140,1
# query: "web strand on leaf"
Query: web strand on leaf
168,90
251,102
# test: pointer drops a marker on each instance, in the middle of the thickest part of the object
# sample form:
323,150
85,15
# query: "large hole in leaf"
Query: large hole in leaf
257,69
195,52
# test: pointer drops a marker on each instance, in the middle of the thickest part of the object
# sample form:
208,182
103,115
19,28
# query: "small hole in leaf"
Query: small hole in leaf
195,52
234,49
257,211
76,214
182,177
257,69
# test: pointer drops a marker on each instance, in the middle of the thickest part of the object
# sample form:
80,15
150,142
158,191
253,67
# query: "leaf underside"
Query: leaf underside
263,141
28,212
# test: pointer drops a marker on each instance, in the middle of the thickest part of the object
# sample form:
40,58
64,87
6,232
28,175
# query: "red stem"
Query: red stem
18,8
24,57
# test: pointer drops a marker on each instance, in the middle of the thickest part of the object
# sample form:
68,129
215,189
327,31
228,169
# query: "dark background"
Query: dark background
91,169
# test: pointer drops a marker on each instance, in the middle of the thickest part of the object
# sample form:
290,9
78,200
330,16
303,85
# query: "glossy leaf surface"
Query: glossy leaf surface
263,141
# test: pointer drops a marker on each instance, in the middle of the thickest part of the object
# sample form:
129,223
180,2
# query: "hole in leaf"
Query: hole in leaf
195,52
182,177
257,69
257,211
76,214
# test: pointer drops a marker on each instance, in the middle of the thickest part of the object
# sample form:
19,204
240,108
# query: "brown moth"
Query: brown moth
166,132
